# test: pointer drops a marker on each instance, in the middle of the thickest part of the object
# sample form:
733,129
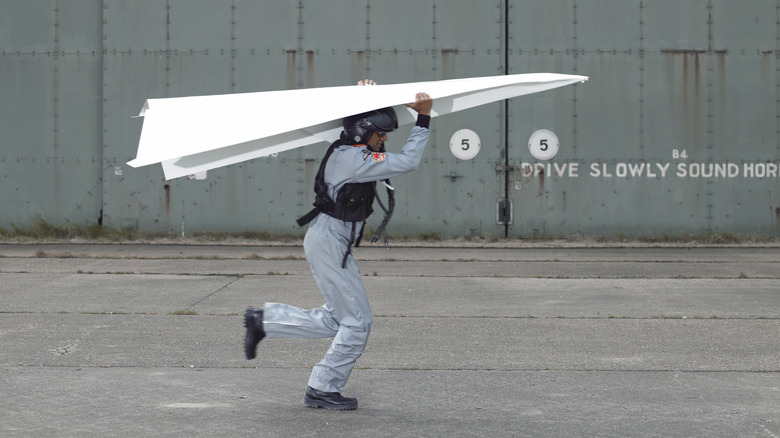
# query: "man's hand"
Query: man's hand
422,104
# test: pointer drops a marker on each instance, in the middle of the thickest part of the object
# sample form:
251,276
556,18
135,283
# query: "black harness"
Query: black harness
354,203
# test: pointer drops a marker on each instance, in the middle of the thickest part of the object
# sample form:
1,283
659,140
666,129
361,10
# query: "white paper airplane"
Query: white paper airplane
189,135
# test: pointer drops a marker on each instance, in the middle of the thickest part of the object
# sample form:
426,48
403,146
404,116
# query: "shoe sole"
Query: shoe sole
320,404
250,348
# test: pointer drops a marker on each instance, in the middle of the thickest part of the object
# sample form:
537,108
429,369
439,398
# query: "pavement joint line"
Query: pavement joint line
573,370
183,313
220,289
375,368
444,260
183,274
548,277
528,317
596,318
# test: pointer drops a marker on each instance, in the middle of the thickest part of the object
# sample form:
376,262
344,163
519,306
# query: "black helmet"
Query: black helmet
358,128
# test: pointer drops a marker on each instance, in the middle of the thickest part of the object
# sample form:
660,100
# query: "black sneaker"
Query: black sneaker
328,400
253,321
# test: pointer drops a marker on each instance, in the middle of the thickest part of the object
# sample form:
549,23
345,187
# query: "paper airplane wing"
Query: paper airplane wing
193,134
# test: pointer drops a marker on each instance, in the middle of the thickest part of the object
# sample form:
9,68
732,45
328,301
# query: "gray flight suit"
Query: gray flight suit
346,315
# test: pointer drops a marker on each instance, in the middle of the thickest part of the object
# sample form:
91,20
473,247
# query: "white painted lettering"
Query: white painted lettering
574,170
771,170
596,171
663,168
650,173
707,170
705,173
636,169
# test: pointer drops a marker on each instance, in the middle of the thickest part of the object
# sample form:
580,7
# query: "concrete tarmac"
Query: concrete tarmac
135,340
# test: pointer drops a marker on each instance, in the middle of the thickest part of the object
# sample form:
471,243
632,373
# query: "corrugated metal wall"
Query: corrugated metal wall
50,112
677,131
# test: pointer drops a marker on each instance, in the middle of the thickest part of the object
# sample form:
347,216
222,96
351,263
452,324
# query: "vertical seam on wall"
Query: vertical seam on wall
506,121
102,158
368,39
57,101
641,78
233,46
433,44
167,47
574,67
710,126
299,53
57,66
710,82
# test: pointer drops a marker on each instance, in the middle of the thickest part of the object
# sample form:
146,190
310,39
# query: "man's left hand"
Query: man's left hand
422,104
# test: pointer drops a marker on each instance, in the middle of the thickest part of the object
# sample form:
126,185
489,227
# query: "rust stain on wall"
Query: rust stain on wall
310,69
684,76
358,65
291,72
167,201
720,70
448,58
